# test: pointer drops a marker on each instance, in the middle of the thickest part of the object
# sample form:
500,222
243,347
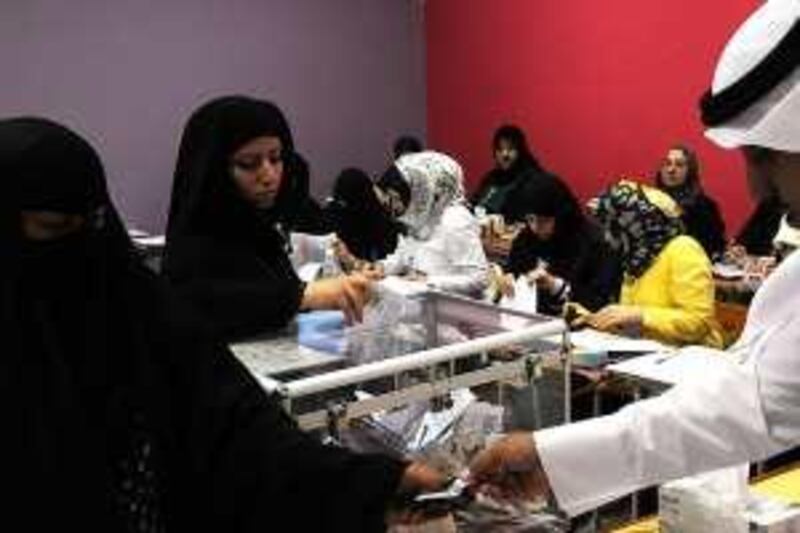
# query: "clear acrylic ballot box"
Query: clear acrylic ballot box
412,345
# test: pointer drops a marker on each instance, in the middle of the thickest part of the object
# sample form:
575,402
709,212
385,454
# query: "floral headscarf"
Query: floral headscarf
436,181
639,221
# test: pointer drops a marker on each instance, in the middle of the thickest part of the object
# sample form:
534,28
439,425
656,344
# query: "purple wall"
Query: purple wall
127,74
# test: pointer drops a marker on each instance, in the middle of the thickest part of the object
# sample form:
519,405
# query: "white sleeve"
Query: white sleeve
397,262
467,263
744,412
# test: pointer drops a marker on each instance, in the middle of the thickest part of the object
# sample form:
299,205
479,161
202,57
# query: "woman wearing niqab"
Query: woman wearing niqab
121,413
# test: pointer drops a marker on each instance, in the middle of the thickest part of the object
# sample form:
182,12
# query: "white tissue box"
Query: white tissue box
767,515
712,501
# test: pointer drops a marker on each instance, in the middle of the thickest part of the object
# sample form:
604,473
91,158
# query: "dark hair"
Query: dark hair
352,188
692,170
406,144
393,179
548,196
516,137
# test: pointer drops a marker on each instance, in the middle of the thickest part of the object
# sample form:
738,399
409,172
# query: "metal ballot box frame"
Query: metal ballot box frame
442,339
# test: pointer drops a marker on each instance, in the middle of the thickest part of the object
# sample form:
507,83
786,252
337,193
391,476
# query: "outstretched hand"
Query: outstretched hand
511,469
349,294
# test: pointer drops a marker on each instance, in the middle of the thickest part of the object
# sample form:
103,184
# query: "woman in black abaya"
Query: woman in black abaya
358,217
237,182
120,414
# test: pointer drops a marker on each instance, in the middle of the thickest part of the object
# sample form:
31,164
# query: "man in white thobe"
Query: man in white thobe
750,408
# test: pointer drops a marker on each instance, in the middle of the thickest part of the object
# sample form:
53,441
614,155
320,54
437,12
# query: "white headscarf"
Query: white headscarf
787,235
774,120
436,182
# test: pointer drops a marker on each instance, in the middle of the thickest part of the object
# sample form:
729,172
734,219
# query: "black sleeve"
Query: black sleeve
598,275
235,291
310,217
523,256
249,468
485,185
235,309
757,233
704,223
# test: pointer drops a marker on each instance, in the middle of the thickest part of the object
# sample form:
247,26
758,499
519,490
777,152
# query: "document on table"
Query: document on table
674,367
590,339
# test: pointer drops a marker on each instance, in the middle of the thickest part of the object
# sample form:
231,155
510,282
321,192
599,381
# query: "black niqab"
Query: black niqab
121,413
70,362
359,218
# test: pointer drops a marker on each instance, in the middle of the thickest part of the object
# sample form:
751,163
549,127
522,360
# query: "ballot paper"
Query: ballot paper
307,248
309,272
436,424
524,300
151,241
727,271
676,366
590,339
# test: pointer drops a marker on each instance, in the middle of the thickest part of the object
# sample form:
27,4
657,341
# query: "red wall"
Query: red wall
602,87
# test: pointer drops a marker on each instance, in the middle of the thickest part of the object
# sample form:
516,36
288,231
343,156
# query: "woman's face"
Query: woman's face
542,226
49,225
674,169
257,171
505,154
391,200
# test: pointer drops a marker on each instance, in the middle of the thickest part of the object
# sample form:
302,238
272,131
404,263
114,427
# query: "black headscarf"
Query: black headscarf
71,341
358,217
406,144
516,137
306,216
500,185
121,413
686,193
576,252
204,197
701,216
228,258
551,197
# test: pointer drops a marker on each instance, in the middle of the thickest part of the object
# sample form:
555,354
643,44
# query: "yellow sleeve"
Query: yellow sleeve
691,289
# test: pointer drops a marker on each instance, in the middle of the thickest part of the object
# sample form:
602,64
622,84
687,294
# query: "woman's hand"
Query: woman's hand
615,318
349,294
343,255
543,279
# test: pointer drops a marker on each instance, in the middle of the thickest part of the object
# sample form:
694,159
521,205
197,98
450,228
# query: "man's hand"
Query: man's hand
615,318
417,478
346,293
511,469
